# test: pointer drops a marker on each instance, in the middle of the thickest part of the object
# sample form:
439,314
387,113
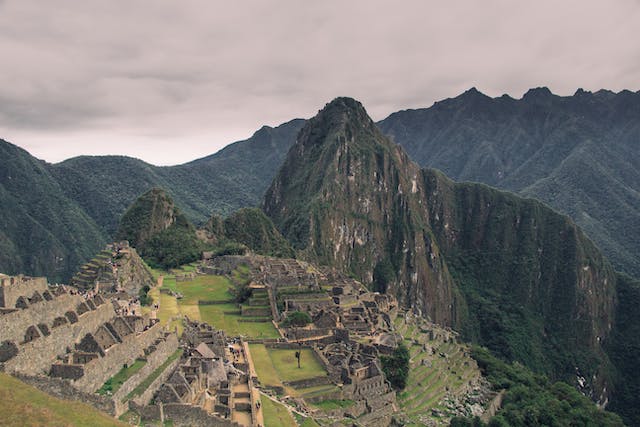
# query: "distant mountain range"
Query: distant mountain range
578,154
55,217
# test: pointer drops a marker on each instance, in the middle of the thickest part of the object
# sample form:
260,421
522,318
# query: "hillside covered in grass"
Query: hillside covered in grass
24,405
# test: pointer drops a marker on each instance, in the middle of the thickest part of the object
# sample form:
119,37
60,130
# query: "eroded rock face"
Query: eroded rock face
348,197
509,273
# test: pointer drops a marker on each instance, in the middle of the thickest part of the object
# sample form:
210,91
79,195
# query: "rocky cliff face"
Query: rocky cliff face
511,273
576,153
535,288
347,197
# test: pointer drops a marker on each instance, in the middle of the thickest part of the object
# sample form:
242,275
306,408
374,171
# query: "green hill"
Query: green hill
42,231
23,405
234,177
159,231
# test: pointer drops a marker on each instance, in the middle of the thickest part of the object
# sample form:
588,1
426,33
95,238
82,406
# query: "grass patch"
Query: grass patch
317,391
154,375
286,364
264,367
23,405
221,316
114,383
169,282
275,414
309,422
206,288
231,324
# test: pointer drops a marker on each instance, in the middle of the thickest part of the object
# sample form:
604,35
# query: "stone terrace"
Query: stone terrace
47,320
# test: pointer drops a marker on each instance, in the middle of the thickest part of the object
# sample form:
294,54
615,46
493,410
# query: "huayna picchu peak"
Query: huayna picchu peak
511,273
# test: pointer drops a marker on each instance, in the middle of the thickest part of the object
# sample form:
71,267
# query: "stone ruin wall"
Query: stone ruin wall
183,415
36,356
145,398
14,287
164,349
13,325
99,370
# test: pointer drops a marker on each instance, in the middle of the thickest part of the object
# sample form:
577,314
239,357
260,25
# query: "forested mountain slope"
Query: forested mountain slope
580,154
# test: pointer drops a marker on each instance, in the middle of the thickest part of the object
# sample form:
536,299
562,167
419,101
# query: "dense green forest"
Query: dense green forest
533,400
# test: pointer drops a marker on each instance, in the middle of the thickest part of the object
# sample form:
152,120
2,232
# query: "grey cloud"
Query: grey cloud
208,73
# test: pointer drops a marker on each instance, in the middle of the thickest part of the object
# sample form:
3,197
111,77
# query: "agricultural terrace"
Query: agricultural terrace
275,414
276,367
207,298
446,370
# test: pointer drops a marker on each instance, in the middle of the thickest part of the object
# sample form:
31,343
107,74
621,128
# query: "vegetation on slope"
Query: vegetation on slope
578,154
535,289
159,231
42,231
24,405
624,350
175,246
533,400
396,366
251,227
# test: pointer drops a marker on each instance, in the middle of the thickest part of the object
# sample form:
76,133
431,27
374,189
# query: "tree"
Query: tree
396,367
297,318
383,275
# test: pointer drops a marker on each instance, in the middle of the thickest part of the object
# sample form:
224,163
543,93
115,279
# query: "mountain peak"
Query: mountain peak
538,94
342,110
472,92
343,119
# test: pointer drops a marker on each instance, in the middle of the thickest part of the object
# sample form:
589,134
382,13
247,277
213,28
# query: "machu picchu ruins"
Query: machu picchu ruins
95,342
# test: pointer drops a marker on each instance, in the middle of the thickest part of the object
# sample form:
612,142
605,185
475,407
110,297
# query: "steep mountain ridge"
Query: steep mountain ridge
234,177
347,197
151,213
42,231
511,273
56,217
576,153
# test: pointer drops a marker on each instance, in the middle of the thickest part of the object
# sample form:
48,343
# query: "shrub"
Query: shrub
297,318
396,367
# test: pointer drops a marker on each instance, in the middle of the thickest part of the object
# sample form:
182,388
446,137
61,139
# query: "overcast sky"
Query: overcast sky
171,81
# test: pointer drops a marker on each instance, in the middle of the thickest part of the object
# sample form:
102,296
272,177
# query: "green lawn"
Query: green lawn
23,405
274,366
215,315
309,422
205,288
114,383
286,365
169,282
264,367
276,415
222,316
